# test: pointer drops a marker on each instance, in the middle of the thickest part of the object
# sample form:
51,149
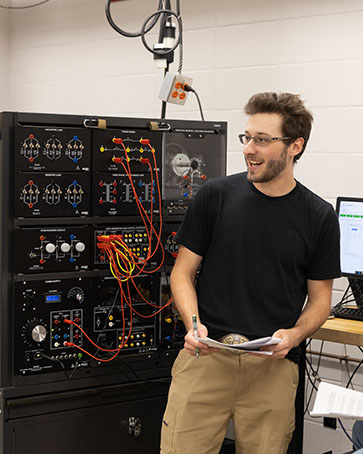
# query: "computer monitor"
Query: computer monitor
350,215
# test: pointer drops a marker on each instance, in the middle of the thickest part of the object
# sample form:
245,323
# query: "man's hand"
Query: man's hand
191,343
289,339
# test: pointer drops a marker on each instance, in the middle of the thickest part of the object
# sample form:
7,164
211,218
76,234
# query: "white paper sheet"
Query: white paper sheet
251,346
336,401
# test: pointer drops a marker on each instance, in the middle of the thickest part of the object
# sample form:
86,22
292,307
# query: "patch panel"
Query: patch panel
135,238
116,194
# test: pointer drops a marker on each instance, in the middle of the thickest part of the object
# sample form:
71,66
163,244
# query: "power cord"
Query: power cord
148,25
139,377
24,7
189,88
345,430
123,32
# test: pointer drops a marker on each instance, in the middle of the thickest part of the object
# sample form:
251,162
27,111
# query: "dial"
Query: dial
80,247
76,294
65,247
50,248
34,331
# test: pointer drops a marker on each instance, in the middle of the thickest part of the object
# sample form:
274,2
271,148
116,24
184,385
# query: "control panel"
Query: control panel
88,239
49,149
41,311
137,240
51,249
190,158
52,194
126,320
121,195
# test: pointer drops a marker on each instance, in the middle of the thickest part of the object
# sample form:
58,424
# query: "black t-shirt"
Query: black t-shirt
258,252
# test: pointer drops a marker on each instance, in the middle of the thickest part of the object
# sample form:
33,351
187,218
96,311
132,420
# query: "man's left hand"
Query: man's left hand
288,341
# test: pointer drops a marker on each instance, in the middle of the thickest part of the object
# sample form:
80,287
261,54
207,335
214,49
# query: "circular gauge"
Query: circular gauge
180,164
76,294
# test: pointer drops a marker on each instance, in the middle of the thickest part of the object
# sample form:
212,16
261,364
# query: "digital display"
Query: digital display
53,298
350,215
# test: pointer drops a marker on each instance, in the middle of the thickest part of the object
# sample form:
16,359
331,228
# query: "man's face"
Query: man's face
265,163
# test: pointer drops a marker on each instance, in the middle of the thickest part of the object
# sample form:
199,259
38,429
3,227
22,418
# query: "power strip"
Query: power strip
172,89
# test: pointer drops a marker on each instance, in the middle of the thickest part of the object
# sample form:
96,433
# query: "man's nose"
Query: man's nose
250,148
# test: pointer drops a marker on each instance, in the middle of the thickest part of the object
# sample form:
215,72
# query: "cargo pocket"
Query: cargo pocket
180,362
167,430
294,372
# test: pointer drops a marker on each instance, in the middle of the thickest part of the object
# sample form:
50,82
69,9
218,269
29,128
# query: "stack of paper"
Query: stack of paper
336,401
250,347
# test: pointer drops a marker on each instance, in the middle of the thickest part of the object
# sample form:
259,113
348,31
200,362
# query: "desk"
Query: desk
342,331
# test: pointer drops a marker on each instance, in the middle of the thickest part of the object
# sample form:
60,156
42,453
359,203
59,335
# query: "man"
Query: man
264,243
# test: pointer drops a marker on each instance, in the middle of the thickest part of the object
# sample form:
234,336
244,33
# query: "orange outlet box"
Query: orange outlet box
172,88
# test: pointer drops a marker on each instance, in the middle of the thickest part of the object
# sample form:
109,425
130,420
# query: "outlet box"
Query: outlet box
172,89
330,422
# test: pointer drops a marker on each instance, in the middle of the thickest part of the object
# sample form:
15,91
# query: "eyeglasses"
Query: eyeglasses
260,140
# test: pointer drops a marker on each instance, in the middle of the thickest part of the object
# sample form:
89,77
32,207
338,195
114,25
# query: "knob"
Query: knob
34,331
80,247
76,294
65,247
38,333
50,248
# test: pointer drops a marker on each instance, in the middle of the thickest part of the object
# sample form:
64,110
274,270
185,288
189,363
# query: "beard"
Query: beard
273,168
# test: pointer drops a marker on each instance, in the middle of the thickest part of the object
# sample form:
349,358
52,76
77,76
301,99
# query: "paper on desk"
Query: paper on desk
251,346
336,401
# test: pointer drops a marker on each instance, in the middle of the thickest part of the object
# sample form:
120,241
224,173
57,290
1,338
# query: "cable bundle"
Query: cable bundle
125,263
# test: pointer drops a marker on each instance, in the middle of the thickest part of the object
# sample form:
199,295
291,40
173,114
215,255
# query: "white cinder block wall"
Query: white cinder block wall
65,58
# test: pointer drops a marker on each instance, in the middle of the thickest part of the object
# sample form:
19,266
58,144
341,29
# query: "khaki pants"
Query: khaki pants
257,393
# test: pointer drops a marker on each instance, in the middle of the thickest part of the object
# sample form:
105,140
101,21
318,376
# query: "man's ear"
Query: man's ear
296,146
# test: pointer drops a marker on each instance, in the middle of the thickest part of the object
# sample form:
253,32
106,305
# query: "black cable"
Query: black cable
105,324
189,88
354,372
344,430
25,7
200,105
163,20
315,375
146,380
161,12
161,52
348,383
163,103
123,32
346,298
181,51
55,360
307,402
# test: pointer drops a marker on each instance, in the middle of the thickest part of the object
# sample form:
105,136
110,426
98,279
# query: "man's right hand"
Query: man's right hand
191,343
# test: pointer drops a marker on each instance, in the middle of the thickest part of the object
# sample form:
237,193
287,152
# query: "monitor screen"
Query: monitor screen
350,215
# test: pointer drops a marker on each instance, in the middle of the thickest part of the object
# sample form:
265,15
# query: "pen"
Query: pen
195,332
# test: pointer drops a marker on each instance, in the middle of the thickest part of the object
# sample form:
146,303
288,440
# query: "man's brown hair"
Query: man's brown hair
296,119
